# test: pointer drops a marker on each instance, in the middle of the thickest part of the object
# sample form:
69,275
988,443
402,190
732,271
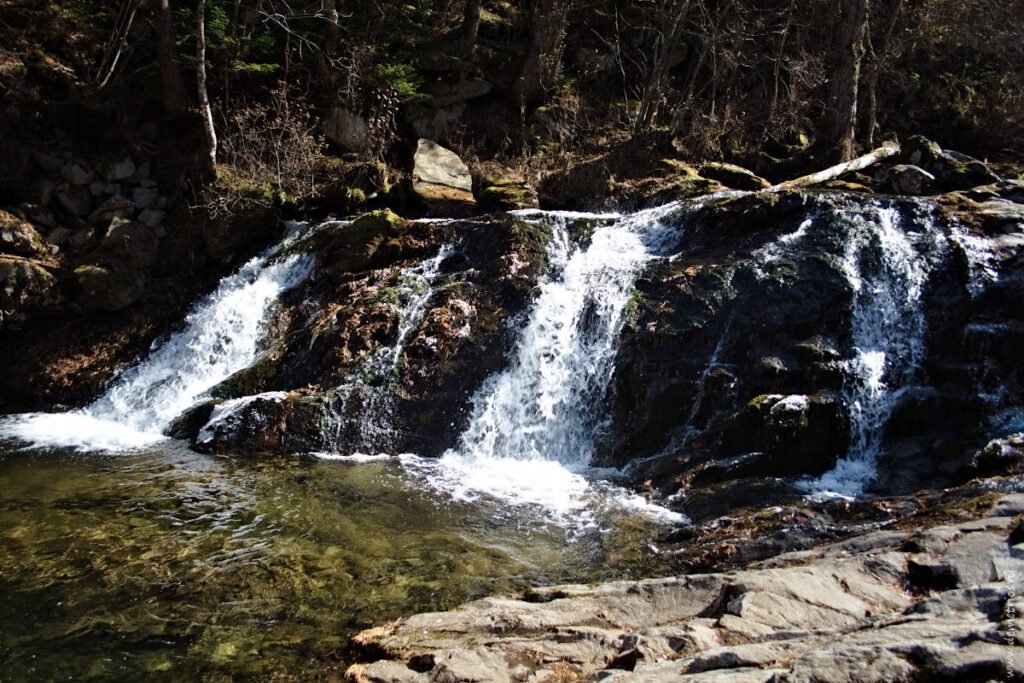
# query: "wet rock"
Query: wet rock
441,179
26,288
1001,456
736,177
106,288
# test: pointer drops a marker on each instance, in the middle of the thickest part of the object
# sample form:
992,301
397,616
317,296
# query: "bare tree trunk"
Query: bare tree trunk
204,98
672,15
118,42
175,98
839,131
331,12
469,29
543,59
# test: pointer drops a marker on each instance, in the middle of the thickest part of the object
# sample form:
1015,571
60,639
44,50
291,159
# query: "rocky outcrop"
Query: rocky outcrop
358,365
936,603
734,362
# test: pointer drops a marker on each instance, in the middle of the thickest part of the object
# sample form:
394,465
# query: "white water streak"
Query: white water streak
220,337
530,437
888,274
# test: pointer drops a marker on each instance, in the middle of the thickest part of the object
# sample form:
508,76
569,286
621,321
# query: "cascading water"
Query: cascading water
221,336
887,264
531,433
373,391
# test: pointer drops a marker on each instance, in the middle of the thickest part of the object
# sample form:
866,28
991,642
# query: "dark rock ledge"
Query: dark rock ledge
939,602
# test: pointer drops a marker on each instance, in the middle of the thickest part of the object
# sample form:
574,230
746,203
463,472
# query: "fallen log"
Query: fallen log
887,150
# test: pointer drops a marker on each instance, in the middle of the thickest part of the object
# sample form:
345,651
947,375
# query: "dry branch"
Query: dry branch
887,150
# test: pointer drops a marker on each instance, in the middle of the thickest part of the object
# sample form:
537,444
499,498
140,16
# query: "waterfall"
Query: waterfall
361,413
221,335
887,264
531,432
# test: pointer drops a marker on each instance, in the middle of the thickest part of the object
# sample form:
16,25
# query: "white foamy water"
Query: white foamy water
888,268
220,337
530,437
981,258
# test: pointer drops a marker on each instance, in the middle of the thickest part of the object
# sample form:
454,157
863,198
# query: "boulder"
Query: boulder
372,240
800,434
25,288
734,176
909,179
446,94
952,170
1001,456
113,208
74,201
118,170
347,129
249,226
106,288
151,218
77,173
132,242
144,197
508,196
20,238
441,179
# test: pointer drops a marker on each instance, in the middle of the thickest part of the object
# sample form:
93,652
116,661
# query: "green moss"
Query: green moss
809,352
502,195
763,403
954,510
631,311
531,234
315,239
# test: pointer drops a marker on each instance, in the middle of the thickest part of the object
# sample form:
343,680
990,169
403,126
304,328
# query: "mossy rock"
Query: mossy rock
353,248
18,237
508,196
253,379
25,287
106,289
